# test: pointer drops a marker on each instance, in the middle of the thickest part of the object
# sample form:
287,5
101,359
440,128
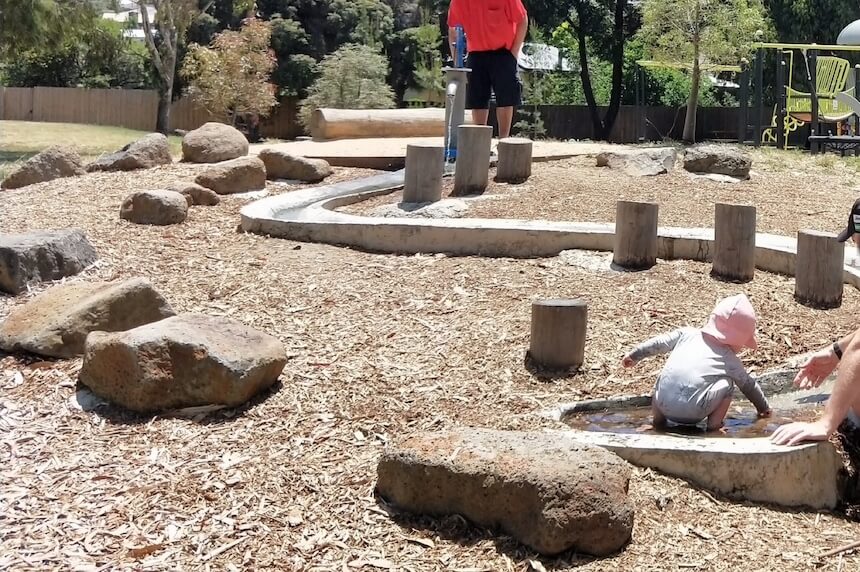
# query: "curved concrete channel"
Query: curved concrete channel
754,469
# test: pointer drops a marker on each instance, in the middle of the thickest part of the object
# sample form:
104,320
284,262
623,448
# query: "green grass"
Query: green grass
20,140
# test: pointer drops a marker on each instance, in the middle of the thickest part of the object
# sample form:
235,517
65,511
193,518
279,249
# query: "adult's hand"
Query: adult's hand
796,433
815,369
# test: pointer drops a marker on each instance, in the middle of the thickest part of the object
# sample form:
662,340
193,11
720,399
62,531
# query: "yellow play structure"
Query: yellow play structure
831,76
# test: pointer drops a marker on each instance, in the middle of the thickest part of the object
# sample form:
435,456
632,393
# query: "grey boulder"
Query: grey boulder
147,152
718,160
41,256
195,194
640,162
155,208
281,165
184,361
57,322
212,143
237,176
53,163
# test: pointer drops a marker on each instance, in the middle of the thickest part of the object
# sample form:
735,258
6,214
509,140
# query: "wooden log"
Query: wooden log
635,235
327,124
424,166
515,160
558,333
473,160
734,242
818,271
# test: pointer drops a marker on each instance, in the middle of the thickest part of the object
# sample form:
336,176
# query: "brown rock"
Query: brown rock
147,152
184,361
719,160
544,489
213,143
52,163
281,165
56,323
154,207
195,194
236,176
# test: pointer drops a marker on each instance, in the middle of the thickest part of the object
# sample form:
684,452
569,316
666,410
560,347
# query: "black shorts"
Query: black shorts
496,70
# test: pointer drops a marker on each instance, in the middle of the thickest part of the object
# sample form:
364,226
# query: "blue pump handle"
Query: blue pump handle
459,58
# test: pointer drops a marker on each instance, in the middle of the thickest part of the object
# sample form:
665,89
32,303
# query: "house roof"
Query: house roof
541,57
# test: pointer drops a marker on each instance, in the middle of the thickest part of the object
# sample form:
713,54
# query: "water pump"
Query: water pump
455,95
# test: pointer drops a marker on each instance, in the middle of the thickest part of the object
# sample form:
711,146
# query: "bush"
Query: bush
353,77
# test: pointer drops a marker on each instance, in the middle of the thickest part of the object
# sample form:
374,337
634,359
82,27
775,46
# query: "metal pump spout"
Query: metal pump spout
455,97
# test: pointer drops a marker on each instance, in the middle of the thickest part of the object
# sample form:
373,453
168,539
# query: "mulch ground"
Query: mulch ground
379,346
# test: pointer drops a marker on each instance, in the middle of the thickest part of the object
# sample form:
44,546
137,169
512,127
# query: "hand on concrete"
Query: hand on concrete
796,433
627,361
815,369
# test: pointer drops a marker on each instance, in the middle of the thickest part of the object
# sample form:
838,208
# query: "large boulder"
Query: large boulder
213,143
719,160
41,256
544,489
154,207
184,361
639,162
236,176
52,163
56,323
147,152
195,194
281,165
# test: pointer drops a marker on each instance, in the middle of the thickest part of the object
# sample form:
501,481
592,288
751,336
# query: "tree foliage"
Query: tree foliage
231,78
698,33
353,77
807,21
29,24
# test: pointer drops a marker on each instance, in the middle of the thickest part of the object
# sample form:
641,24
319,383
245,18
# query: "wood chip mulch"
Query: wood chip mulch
379,346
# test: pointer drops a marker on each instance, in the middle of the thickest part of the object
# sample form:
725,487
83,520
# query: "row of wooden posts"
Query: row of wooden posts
425,165
558,327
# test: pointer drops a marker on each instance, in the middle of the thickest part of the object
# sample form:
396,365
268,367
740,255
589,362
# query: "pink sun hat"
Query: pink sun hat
733,322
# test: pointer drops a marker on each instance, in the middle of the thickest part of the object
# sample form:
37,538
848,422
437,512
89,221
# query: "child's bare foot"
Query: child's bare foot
644,428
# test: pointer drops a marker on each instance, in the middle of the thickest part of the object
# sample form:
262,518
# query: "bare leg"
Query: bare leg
715,419
659,418
505,115
480,116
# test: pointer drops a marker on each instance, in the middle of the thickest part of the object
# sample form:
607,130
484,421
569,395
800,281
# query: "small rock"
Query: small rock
155,207
56,323
147,152
544,489
195,194
213,143
446,208
718,159
640,162
184,361
236,176
41,256
281,165
52,163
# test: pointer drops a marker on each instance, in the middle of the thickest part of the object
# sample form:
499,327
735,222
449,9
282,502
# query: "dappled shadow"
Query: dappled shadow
544,373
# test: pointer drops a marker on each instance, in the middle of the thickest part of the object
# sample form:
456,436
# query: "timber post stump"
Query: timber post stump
818,271
734,242
635,235
515,160
424,167
558,330
473,160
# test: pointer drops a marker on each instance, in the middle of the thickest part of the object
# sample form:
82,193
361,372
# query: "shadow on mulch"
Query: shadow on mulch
543,373
455,528
204,415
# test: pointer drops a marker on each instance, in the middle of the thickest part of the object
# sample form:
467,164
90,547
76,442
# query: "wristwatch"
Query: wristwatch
837,350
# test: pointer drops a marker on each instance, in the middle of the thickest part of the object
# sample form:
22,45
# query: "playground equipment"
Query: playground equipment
455,96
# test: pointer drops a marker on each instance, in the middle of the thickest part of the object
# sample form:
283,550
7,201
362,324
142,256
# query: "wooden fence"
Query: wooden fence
136,109
131,108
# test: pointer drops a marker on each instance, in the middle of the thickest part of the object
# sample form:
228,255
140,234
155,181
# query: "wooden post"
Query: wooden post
473,160
558,333
734,242
818,269
424,166
515,160
635,235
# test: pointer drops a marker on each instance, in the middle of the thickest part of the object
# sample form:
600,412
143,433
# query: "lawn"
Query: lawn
20,140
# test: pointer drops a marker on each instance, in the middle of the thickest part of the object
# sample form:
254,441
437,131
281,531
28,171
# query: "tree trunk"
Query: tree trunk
692,106
585,76
617,70
162,123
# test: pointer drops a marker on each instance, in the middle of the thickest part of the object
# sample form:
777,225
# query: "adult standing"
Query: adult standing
495,32
844,354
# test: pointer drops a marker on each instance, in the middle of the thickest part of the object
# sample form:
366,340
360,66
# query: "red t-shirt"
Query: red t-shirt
489,24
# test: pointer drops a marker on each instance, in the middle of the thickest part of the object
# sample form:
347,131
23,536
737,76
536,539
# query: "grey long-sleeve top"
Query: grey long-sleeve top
698,361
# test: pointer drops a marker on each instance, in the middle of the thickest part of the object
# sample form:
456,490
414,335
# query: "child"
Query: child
698,379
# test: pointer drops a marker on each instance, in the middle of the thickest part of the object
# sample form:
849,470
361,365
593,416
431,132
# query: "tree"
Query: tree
808,21
27,24
231,78
353,77
173,17
699,33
